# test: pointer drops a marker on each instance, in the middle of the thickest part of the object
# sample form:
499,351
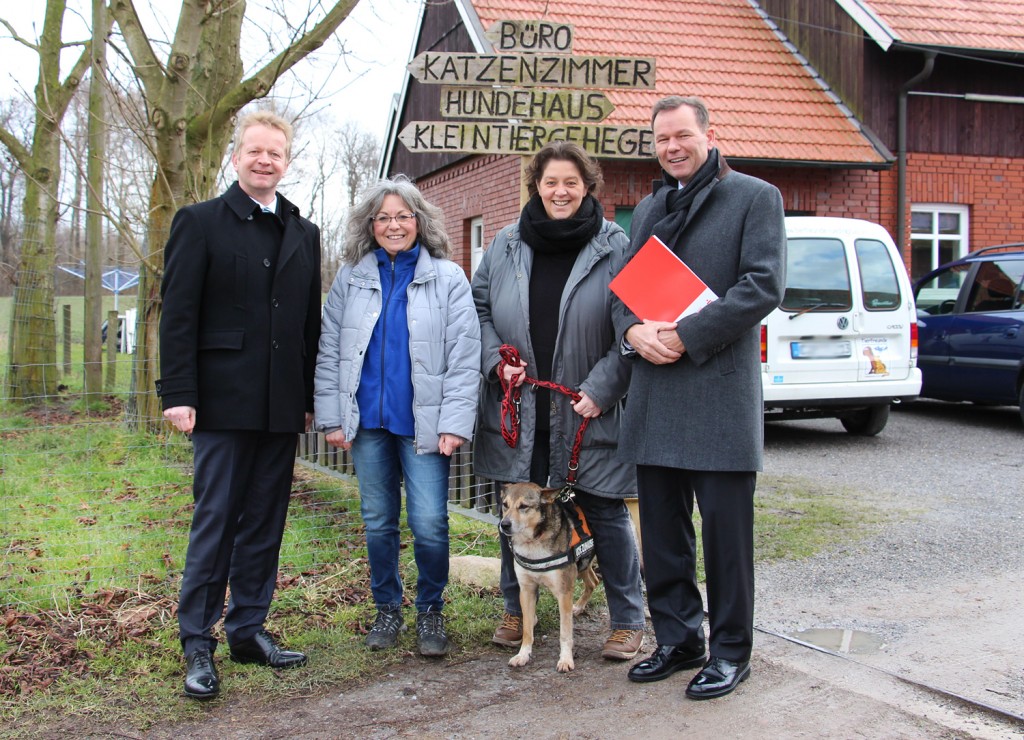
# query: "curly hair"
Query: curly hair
564,151
359,239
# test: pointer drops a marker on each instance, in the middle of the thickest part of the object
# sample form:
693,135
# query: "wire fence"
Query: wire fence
92,498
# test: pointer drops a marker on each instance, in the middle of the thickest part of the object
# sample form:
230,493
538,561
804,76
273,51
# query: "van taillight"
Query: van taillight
913,342
764,342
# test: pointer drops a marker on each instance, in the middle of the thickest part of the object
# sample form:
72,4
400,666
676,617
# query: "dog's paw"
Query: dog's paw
565,665
578,609
519,660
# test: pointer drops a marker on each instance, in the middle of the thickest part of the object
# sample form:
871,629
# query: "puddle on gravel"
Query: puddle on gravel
854,642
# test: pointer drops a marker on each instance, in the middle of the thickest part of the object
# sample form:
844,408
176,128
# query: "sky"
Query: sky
359,86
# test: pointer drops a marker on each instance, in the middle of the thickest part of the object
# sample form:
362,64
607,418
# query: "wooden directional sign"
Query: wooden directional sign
533,70
535,37
528,104
621,142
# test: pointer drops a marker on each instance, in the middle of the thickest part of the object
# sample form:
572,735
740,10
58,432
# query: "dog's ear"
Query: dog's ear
549,495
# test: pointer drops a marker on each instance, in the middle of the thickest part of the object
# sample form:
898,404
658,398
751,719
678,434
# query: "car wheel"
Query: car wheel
866,422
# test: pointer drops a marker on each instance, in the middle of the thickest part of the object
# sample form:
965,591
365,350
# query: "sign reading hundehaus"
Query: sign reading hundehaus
516,87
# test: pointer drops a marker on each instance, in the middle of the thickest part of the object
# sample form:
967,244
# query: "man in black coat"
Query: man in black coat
238,340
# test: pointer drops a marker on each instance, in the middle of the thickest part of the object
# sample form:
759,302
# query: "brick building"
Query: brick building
909,113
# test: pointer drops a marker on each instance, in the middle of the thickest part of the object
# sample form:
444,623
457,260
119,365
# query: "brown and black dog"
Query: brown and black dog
539,530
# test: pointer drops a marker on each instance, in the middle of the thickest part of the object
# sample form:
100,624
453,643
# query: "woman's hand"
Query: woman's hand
337,438
449,443
586,407
514,375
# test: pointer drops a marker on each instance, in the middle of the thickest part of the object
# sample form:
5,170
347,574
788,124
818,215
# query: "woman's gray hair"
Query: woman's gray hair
359,239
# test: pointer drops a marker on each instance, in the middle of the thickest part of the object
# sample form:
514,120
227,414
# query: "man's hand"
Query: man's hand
309,421
182,417
656,341
449,443
337,438
585,407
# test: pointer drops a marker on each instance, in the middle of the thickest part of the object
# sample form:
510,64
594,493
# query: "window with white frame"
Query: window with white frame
938,234
476,243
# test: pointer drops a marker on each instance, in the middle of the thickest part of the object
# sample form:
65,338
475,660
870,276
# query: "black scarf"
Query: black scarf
678,202
548,235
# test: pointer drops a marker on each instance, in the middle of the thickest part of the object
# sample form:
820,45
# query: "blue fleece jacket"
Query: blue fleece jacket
385,388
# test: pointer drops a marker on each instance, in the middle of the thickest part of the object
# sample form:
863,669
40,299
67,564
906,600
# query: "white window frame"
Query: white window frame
935,210
476,243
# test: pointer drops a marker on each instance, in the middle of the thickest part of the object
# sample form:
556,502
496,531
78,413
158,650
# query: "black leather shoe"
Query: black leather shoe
261,648
664,661
201,680
719,677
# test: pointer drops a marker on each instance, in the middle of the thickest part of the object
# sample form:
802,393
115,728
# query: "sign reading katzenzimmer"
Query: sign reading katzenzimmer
526,70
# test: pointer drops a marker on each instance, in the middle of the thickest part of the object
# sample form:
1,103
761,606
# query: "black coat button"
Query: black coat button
266,262
274,303
274,344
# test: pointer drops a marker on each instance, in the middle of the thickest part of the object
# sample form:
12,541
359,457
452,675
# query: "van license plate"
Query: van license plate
830,350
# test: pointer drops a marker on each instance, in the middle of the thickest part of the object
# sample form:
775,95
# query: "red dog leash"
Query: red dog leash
511,402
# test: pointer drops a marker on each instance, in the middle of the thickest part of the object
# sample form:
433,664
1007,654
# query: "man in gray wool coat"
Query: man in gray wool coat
693,424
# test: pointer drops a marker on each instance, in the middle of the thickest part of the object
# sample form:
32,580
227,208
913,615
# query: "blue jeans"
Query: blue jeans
381,460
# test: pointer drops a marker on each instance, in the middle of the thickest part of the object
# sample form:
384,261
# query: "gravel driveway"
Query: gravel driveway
938,595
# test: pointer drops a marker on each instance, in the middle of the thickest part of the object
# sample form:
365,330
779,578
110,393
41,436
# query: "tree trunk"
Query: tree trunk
93,303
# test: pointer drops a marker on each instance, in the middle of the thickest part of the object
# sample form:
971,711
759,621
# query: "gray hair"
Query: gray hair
700,110
359,239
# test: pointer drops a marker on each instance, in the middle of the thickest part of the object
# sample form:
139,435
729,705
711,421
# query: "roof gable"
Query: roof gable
766,103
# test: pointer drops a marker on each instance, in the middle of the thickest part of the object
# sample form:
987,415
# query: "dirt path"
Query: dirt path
793,692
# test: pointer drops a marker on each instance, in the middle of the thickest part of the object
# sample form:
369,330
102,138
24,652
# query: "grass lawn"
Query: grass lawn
93,527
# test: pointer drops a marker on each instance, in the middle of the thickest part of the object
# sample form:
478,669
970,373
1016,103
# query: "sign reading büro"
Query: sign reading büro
527,91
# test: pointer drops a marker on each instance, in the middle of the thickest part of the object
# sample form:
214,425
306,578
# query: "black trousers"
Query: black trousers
726,504
241,486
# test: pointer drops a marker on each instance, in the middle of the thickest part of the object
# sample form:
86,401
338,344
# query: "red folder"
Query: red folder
657,285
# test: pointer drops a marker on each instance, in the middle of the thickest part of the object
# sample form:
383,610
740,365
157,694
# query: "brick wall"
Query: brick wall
993,188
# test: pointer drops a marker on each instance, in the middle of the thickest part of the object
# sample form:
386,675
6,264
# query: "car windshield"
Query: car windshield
817,278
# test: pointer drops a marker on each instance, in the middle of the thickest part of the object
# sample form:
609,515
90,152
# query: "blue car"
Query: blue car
970,319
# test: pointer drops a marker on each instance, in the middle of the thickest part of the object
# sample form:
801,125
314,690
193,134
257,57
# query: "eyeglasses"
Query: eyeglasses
402,218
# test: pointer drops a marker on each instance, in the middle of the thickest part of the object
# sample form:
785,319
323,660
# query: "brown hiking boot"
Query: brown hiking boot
623,644
510,631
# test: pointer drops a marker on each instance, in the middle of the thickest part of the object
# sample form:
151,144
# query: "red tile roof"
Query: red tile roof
764,103
967,24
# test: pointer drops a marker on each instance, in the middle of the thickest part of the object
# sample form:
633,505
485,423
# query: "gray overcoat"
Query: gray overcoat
586,358
705,411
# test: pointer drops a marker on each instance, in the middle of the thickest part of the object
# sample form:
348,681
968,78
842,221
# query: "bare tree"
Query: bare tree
191,99
32,370
15,117
360,153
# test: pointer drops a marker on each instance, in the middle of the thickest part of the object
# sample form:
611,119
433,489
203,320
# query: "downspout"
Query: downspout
901,147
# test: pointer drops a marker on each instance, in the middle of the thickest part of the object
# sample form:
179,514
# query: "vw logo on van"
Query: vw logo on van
842,322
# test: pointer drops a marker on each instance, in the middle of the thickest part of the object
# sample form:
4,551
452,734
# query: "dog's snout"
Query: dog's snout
505,527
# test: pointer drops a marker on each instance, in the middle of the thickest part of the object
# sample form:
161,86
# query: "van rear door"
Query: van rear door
845,318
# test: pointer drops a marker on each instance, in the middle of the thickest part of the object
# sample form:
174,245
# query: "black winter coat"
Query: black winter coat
241,316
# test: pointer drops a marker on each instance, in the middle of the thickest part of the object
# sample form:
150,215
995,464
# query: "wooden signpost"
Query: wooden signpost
537,89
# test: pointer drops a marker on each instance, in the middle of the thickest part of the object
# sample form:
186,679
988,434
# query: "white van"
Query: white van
843,344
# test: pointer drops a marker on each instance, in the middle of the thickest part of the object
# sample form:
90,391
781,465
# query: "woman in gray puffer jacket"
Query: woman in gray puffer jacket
397,378
542,287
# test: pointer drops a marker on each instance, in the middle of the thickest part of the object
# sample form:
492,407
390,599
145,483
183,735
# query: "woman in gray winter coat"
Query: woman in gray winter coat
397,380
542,287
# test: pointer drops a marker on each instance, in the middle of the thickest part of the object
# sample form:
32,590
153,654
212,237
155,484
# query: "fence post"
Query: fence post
112,327
66,316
